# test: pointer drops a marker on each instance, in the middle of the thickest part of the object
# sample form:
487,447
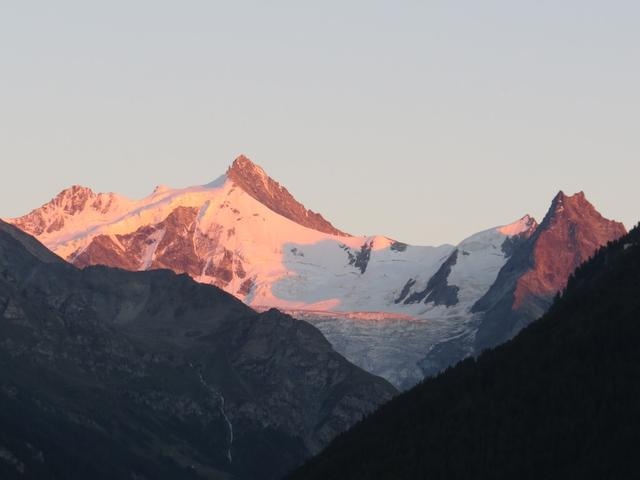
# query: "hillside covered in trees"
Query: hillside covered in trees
561,400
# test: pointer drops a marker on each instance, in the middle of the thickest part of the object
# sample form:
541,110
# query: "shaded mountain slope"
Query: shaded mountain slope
106,373
560,400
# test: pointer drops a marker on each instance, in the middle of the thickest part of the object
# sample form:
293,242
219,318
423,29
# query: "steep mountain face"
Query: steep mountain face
570,233
113,374
558,401
254,181
398,310
243,232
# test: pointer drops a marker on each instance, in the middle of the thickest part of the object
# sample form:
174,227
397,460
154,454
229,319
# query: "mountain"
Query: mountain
397,310
570,233
537,267
254,181
558,401
438,296
242,232
106,373
247,234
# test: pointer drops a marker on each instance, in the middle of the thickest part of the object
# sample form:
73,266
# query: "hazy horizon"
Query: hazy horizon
425,122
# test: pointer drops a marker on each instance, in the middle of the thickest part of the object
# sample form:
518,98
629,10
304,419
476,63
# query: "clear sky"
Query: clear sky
422,120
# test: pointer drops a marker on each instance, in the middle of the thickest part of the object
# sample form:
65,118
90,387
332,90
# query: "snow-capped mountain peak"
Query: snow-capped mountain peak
242,232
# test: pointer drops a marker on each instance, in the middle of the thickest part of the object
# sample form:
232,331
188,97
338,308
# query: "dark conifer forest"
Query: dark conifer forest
561,400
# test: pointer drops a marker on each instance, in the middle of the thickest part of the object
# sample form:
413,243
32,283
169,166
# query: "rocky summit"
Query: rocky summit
570,234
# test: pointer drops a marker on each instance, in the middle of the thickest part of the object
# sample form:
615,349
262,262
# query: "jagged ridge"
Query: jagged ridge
254,180
571,231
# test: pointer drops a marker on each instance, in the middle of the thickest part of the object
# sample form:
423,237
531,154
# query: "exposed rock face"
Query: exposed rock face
405,290
152,375
360,258
253,180
571,232
103,250
174,243
437,291
539,267
168,244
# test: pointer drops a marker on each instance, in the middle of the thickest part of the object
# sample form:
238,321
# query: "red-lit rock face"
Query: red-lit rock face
103,250
168,244
570,233
176,249
173,244
253,180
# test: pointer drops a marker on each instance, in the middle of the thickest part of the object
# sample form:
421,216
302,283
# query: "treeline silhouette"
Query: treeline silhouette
561,400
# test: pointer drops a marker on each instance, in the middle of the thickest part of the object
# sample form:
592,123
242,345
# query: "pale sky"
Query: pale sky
425,121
